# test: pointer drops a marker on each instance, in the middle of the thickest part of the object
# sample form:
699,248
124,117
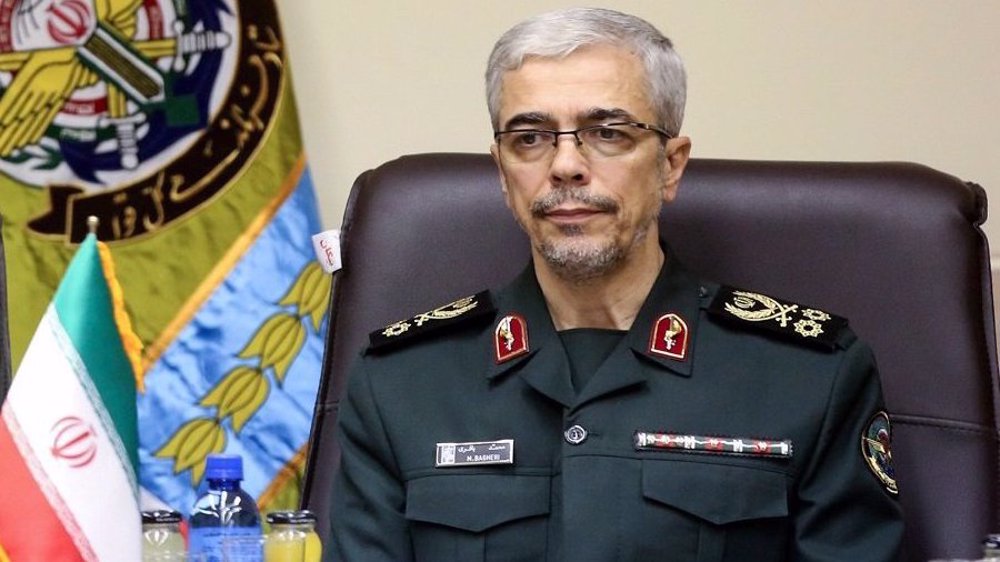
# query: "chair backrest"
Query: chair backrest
5,376
895,247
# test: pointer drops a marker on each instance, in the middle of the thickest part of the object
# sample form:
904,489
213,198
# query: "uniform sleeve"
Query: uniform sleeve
367,521
843,511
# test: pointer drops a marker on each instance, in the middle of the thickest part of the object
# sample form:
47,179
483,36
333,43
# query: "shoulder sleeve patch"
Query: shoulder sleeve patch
462,311
791,321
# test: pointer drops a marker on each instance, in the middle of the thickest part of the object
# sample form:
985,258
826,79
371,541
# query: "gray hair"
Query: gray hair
557,34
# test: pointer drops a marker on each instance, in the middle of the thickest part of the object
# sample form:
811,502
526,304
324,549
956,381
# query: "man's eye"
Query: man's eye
527,139
609,134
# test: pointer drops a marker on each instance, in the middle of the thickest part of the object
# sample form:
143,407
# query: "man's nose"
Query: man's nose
569,166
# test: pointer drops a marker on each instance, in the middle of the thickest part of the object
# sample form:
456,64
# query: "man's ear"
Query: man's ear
494,152
678,151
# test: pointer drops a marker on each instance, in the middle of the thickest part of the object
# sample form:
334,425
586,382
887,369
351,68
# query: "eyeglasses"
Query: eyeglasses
607,140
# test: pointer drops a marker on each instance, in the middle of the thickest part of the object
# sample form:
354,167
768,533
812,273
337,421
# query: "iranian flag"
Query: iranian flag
68,433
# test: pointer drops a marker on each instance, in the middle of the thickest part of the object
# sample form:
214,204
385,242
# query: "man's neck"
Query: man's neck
611,301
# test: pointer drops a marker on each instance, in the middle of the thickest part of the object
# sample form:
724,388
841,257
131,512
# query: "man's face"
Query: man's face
585,213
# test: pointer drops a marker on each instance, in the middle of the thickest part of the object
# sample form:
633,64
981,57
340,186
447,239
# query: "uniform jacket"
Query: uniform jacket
580,487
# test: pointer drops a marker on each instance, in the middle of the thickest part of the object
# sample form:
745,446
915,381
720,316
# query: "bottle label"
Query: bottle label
225,544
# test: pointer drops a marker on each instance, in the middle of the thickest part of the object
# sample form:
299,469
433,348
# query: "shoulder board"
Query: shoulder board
795,322
434,321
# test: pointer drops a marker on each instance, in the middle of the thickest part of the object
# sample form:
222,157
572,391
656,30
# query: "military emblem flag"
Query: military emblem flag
175,123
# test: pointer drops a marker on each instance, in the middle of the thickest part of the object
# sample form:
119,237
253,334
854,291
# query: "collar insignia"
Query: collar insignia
510,338
875,443
669,337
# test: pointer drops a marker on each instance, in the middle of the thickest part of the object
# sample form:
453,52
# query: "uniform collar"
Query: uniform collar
544,365
675,292
549,372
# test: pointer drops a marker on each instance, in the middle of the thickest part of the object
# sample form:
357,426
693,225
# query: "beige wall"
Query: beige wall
773,79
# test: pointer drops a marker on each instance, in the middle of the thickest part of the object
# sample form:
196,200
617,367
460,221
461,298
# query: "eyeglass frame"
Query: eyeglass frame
576,132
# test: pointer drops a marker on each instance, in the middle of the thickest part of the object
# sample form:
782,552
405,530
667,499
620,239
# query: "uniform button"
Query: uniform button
575,435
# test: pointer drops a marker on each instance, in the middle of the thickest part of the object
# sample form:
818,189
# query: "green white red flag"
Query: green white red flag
68,433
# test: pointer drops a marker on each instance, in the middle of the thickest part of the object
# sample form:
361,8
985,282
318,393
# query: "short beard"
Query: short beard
579,262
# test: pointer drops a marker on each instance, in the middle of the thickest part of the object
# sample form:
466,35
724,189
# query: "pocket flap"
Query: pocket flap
718,493
476,502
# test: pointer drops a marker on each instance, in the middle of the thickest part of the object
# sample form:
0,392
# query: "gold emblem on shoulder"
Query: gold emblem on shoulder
755,307
808,328
815,315
797,321
446,312
441,320
396,329
745,307
450,310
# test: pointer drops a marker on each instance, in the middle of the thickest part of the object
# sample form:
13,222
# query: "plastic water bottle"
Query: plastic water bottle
161,536
225,523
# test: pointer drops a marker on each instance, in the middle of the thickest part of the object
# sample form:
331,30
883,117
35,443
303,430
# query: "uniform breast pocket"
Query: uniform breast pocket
714,511
478,517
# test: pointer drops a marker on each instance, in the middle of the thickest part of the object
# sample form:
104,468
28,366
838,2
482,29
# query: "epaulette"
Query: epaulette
796,322
434,321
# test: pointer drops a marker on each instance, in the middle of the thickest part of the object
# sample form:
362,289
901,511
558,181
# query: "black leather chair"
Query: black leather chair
894,247
5,375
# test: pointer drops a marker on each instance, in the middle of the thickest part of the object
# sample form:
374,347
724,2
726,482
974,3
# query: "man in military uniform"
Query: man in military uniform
607,404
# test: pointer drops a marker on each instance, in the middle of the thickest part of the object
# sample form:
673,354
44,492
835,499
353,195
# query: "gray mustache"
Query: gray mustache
553,199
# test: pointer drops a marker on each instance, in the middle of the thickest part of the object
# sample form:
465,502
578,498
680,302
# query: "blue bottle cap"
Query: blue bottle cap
224,467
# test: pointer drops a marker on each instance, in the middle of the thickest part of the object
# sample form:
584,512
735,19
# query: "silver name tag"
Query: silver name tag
475,454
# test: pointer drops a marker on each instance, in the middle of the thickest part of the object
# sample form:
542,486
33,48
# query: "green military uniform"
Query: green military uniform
724,426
